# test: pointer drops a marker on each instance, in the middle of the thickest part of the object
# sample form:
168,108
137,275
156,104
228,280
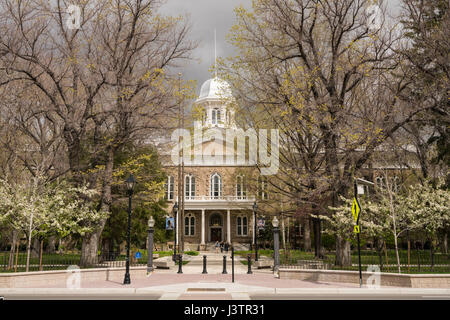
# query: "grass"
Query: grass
421,258
192,253
263,252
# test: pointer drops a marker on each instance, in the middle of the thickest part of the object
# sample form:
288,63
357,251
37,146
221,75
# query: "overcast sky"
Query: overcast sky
207,15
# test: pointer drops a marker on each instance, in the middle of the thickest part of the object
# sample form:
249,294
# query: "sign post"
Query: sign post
356,210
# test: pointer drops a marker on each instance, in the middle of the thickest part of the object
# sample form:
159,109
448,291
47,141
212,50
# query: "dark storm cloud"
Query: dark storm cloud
207,15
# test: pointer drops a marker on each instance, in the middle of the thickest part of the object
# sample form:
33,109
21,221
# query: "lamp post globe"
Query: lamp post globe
130,183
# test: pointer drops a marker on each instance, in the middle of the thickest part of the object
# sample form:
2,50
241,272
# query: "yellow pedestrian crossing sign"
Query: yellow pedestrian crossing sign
356,229
355,210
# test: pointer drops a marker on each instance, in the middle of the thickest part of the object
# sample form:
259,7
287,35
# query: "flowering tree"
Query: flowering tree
421,207
49,208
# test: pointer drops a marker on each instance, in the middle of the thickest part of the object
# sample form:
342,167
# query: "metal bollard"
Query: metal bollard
232,264
180,264
204,264
249,262
224,265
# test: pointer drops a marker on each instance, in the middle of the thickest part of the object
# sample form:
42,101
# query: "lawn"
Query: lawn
57,261
419,261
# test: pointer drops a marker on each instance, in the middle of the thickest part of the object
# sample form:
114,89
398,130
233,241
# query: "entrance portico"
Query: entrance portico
215,221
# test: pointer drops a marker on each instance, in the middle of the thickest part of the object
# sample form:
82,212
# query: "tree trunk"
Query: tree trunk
89,246
307,235
51,247
445,243
396,253
317,238
40,254
343,252
14,234
35,248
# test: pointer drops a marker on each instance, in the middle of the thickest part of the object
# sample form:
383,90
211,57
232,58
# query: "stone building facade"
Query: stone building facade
217,204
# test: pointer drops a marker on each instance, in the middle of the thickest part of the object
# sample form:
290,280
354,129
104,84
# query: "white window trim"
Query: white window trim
240,180
189,225
242,226
211,186
187,187
168,188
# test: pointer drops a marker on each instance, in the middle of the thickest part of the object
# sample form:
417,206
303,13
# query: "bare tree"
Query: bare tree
327,77
106,82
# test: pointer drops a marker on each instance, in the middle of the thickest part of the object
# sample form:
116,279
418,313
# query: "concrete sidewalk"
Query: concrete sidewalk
193,285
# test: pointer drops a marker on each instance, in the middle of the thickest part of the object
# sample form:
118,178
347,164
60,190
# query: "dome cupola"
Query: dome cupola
215,96
215,89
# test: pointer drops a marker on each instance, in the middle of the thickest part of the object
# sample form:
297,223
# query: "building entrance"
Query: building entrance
216,234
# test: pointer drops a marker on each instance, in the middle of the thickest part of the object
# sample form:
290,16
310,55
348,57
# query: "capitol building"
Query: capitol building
218,203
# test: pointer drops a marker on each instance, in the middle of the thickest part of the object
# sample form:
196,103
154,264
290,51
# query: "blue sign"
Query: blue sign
138,255
169,223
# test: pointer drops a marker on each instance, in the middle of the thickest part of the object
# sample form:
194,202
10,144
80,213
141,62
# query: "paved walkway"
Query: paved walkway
166,284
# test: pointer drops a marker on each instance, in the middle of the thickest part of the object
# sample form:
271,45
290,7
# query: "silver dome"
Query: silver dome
215,89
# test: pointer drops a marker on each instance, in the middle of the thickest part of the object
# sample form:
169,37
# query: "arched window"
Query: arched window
262,188
241,192
169,185
216,220
189,188
189,225
216,186
242,226
215,116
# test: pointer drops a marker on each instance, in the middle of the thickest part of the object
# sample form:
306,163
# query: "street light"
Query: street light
255,207
276,243
175,210
151,224
130,182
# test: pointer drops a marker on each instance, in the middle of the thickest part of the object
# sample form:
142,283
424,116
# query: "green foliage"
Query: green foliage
147,201
328,241
192,253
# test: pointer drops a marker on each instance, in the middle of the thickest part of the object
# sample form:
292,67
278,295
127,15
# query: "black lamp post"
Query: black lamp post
130,187
151,224
175,211
255,207
276,244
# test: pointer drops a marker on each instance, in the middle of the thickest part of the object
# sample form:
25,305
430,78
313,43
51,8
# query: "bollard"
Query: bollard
249,262
180,264
224,265
204,264
232,264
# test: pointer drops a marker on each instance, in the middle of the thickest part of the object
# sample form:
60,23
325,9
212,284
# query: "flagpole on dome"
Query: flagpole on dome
215,53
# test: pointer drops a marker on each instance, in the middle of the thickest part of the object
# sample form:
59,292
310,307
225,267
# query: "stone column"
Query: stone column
228,227
202,244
